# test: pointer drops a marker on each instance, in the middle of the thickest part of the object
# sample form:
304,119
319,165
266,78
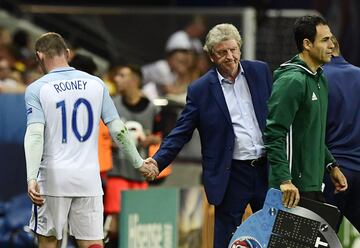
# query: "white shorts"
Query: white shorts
83,214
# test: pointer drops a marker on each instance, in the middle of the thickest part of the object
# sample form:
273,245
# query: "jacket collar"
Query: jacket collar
219,95
338,60
297,62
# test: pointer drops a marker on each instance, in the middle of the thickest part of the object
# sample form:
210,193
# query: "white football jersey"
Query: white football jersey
70,103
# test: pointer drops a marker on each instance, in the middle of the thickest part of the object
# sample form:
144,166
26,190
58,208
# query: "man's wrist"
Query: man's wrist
139,164
330,166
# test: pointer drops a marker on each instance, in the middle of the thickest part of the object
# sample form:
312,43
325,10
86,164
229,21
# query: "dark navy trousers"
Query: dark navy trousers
348,202
247,184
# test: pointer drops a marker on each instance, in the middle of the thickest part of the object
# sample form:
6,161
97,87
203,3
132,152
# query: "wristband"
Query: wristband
329,167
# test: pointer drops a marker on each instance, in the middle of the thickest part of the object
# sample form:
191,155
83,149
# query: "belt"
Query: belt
254,162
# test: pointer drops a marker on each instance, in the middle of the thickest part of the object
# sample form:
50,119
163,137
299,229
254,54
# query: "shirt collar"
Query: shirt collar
223,80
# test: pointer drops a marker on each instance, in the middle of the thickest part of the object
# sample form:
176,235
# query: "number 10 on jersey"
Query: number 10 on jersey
78,102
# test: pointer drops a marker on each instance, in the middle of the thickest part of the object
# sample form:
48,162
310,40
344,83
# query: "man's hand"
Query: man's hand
291,195
149,169
339,180
34,193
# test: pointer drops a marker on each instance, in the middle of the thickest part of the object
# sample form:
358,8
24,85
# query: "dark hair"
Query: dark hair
21,38
305,28
51,44
136,70
83,63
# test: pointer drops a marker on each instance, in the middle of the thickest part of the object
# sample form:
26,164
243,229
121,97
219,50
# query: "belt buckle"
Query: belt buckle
253,162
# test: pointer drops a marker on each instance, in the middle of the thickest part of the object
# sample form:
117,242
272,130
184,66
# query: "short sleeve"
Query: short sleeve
34,111
109,112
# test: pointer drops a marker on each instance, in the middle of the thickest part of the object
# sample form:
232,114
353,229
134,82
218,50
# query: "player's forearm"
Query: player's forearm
121,136
33,144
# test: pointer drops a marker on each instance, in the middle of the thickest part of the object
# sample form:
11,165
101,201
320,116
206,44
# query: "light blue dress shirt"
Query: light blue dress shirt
248,137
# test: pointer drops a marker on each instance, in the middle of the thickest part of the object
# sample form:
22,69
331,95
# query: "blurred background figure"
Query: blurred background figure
8,84
5,37
169,75
18,62
110,79
184,62
139,114
189,37
25,58
6,44
181,63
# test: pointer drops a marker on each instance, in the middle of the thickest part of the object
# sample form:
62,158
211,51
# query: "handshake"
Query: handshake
149,169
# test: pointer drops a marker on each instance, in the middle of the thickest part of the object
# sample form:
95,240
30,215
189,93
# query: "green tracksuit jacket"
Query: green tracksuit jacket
295,128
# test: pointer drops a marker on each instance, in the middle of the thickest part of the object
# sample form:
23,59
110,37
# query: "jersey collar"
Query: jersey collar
62,69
